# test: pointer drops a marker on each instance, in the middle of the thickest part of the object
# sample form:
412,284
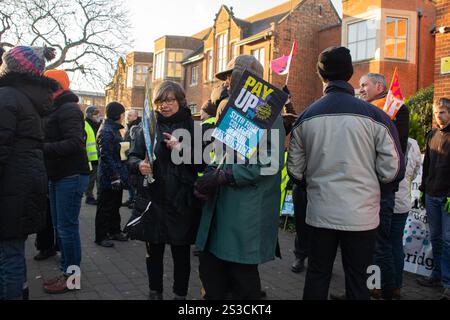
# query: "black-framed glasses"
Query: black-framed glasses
166,101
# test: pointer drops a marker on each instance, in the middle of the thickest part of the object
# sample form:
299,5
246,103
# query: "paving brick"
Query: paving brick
120,273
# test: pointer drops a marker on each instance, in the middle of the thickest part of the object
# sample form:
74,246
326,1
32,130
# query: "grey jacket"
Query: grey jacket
344,148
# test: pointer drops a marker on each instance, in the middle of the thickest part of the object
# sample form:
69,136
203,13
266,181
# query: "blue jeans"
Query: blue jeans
383,247
397,232
65,203
12,269
439,220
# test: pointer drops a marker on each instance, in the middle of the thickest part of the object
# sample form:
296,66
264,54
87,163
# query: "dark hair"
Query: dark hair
444,102
163,89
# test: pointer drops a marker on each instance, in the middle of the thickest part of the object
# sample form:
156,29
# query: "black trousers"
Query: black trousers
357,250
181,256
45,239
92,179
300,199
220,277
107,219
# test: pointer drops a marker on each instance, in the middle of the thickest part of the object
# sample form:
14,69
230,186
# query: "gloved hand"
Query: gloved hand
116,185
422,199
206,185
447,205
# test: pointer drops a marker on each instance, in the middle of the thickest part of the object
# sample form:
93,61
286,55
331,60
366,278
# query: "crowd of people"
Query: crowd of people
349,163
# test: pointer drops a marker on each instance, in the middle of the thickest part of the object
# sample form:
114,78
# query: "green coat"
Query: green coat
240,223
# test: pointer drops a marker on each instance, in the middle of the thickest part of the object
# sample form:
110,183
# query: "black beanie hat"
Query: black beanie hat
335,63
114,111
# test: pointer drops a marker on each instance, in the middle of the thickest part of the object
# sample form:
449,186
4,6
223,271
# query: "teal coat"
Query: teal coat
240,223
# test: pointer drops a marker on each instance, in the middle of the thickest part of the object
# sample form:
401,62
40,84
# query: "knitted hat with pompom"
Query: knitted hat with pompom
23,59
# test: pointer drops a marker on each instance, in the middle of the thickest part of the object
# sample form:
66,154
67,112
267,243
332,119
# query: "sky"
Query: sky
153,19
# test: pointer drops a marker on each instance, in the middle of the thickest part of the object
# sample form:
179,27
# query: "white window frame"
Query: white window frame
173,64
396,37
209,65
234,50
130,76
194,75
159,65
367,43
222,51
260,55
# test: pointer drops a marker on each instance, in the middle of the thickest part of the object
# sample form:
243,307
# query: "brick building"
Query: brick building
129,81
381,35
266,35
385,34
88,98
442,65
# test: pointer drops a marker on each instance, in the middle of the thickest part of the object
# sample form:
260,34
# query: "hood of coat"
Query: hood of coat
38,89
66,97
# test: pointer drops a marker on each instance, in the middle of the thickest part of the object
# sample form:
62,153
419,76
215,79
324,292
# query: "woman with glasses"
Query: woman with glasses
174,213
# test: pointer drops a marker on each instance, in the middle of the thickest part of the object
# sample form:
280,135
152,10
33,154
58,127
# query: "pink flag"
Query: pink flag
282,65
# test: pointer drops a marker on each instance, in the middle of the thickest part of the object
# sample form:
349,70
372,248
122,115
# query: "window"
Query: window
222,50
130,77
194,75
141,75
159,66
174,64
234,50
193,108
362,40
396,38
259,54
209,66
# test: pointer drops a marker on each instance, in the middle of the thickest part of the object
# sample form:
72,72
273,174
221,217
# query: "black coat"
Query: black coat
127,136
175,212
110,165
65,139
436,165
24,99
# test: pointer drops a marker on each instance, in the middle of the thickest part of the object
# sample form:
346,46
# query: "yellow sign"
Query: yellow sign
445,65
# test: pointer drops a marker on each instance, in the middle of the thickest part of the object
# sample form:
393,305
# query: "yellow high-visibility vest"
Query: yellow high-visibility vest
91,144
284,181
212,121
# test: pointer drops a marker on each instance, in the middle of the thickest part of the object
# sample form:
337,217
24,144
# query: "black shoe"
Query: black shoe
429,282
105,243
119,237
298,265
126,204
153,295
26,294
91,201
337,296
44,254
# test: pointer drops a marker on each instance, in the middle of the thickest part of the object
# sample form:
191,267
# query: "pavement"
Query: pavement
119,273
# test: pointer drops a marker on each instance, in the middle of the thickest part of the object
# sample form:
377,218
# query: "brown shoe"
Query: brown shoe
58,287
53,280
375,294
396,294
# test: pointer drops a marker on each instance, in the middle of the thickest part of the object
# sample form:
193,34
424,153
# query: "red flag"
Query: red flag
394,99
282,65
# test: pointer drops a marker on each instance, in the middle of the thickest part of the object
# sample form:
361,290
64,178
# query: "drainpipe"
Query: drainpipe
419,32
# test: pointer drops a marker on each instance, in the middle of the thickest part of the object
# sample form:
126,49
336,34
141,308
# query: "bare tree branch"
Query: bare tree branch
89,35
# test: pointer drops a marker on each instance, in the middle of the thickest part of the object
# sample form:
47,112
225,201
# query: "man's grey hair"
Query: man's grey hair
134,111
378,78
